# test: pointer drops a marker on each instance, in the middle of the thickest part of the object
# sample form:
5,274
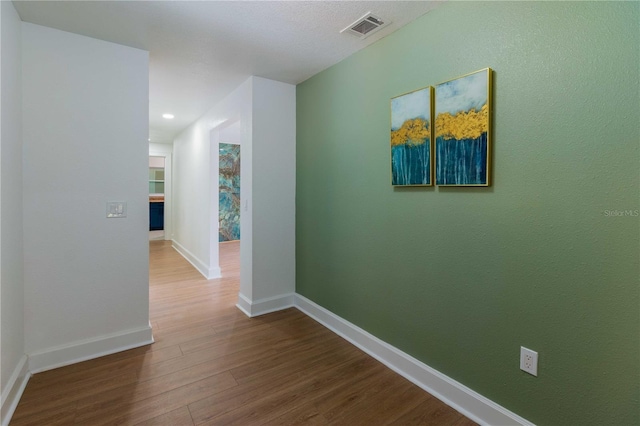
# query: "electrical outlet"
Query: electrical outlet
529,361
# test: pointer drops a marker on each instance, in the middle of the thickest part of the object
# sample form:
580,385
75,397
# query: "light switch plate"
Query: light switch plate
116,209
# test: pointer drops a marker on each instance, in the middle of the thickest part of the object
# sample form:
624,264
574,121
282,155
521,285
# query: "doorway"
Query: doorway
156,197
227,178
160,226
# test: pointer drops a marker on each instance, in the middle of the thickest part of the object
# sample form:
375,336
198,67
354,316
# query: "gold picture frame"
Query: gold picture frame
462,130
412,138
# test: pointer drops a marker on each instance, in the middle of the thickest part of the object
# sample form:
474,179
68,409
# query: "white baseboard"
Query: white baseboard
84,350
13,392
264,306
213,273
208,272
468,402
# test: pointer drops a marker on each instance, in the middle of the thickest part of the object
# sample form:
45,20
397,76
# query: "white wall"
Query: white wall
195,181
274,188
12,372
191,186
231,134
265,110
166,150
85,130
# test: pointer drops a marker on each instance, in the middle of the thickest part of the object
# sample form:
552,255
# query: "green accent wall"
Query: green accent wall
547,257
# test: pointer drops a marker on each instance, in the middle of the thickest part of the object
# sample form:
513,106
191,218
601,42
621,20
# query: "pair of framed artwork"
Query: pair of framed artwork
458,118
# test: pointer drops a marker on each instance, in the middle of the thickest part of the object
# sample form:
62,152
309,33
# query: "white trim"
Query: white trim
13,392
244,304
83,350
264,306
204,269
468,402
214,273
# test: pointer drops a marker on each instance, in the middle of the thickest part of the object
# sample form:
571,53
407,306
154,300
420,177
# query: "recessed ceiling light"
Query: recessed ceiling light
167,116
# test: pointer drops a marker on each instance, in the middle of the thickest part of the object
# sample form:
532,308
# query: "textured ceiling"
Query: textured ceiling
201,50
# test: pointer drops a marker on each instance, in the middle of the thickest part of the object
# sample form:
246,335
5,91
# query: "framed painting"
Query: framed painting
411,138
463,130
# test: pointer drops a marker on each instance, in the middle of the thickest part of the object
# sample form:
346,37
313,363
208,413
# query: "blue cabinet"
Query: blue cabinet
156,216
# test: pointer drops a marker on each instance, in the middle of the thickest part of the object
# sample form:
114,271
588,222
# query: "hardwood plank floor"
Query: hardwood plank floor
211,365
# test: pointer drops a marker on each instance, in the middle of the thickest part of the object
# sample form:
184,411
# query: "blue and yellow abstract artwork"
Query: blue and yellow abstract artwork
229,192
411,138
462,130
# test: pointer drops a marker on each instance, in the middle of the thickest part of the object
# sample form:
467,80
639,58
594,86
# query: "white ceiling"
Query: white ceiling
201,50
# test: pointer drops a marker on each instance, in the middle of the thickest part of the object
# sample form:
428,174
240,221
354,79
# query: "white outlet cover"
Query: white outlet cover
529,361
116,209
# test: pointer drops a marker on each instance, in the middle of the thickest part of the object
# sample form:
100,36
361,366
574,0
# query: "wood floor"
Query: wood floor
212,365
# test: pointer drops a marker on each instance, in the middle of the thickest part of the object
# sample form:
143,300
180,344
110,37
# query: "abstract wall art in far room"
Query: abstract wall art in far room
229,192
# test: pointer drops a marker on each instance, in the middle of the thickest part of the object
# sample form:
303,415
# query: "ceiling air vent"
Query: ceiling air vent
366,26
